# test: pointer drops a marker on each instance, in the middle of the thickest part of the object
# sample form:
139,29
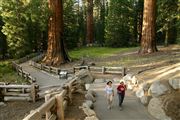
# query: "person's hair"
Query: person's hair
109,82
121,82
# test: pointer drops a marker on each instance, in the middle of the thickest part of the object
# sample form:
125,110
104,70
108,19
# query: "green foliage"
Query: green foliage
168,20
70,24
119,22
96,52
24,20
8,75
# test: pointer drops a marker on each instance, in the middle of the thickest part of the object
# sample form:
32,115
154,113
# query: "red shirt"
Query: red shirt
121,89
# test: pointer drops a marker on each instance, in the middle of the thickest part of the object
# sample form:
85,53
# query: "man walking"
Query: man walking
121,93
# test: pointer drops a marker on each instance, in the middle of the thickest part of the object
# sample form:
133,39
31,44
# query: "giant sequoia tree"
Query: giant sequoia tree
56,53
148,42
89,36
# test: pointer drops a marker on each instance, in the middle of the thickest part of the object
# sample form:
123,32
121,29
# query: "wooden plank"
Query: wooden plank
15,86
114,72
60,108
52,117
33,116
16,94
48,113
13,98
33,93
47,105
65,102
18,90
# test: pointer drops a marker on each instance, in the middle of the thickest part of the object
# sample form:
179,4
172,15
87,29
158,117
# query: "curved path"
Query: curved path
132,108
42,78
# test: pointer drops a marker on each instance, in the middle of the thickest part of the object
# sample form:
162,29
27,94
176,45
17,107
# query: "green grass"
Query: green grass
8,75
96,52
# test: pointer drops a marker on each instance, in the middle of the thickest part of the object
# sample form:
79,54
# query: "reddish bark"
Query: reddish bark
56,53
148,42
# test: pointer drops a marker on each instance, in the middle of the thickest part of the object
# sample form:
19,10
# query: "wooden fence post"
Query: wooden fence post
60,108
48,113
103,69
123,71
33,92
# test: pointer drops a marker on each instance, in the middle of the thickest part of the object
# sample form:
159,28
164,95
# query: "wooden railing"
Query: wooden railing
103,70
14,92
55,104
44,67
23,73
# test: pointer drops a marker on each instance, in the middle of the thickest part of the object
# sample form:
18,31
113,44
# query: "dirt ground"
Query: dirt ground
73,112
136,64
17,110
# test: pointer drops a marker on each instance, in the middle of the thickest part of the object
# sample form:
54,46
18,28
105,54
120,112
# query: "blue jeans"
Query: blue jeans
121,99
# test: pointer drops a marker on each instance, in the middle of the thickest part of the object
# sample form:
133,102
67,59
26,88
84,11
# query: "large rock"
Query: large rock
89,112
145,86
157,89
175,83
92,92
127,77
145,100
85,76
99,80
91,118
171,105
2,104
87,86
155,108
88,104
89,96
140,93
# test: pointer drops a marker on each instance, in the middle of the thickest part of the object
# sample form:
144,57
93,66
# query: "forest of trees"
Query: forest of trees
27,26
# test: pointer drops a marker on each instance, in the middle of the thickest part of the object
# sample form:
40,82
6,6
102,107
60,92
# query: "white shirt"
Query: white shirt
109,89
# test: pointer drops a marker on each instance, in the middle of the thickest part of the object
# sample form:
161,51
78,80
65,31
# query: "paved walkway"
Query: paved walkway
42,78
132,108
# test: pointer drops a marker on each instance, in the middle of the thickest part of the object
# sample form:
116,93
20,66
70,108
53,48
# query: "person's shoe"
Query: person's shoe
120,108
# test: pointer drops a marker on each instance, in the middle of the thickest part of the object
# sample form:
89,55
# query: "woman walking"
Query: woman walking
109,94
121,93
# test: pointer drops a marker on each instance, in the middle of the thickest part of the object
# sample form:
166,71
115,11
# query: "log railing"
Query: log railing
23,73
44,67
55,104
13,92
103,69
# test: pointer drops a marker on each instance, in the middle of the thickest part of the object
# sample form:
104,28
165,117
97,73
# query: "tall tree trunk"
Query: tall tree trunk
90,35
148,42
56,53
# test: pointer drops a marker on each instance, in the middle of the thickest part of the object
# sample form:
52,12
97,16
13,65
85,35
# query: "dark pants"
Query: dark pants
121,98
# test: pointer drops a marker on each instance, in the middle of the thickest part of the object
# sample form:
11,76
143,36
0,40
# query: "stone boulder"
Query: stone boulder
2,104
140,93
92,92
89,96
128,77
171,105
145,100
88,104
87,86
175,83
155,108
99,80
158,89
85,76
89,112
91,118
145,86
